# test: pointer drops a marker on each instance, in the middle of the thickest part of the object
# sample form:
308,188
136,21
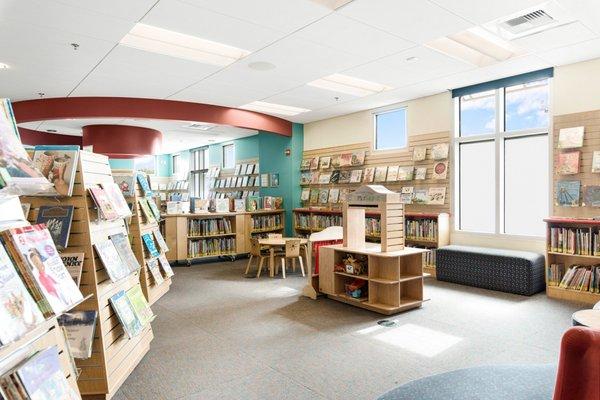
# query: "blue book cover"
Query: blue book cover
58,220
144,184
567,193
42,377
149,242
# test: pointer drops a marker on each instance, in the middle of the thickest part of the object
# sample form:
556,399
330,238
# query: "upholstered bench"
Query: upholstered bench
509,271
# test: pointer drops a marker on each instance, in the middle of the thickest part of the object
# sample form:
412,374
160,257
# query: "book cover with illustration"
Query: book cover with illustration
141,308
392,173
567,193
155,271
115,267
345,159
58,164
126,183
334,195
305,194
324,162
115,194
80,327
305,164
166,267
156,211
74,264
439,151
161,240
143,181
58,220
592,196
380,174
436,195
440,170
570,138
121,243
406,194
148,214
124,310
345,176
150,245
314,196
369,175
406,173
356,176
323,196
568,163
106,209
420,196
324,178
314,163
420,173
419,153
358,158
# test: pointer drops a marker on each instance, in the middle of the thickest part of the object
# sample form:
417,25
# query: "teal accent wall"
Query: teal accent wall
120,163
245,148
164,165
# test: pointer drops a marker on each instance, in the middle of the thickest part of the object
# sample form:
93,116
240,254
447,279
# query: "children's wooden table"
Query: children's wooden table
275,243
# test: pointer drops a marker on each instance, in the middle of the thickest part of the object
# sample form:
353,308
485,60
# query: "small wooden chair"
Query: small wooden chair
256,251
292,250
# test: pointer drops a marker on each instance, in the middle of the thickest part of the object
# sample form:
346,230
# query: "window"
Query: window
502,149
228,156
390,129
176,158
199,168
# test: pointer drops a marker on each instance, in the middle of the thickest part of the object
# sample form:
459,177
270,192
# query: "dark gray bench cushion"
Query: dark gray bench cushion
511,271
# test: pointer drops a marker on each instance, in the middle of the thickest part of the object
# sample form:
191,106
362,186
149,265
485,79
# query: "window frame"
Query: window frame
223,147
201,171
387,110
499,137
175,159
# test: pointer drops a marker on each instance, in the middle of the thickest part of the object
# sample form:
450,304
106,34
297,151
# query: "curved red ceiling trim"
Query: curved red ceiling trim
129,107
33,138
122,141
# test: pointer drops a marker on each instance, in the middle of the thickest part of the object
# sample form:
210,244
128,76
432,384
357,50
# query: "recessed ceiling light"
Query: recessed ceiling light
348,84
4,66
170,43
271,108
261,65
412,59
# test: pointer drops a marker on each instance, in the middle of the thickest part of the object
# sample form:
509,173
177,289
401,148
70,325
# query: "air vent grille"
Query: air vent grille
530,21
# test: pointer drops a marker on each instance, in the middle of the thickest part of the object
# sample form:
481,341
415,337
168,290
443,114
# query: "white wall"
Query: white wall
577,87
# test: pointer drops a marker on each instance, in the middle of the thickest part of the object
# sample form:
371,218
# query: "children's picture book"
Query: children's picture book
335,176
380,174
345,176
19,312
439,151
440,170
345,159
166,267
222,205
343,195
323,196
358,158
568,163
58,220
314,163
74,264
305,164
141,308
406,173
58,164
305,194
275,179
124,310
106,210
305,178
80,327
356,176
570,138
154,208
595,163
324,162
334,195
592,196
252,203
117,199
267,203
155,271
567,193
420,196
115,267
420,173
148,214
160,240
121,243
39,259
42,377
336,160
314,177
126,183
436,195
314,196
324,177
406,194
392,173
419,153
239,205
149,244
369,175
143,181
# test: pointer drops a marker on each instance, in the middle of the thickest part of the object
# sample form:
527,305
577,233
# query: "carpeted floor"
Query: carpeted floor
220,336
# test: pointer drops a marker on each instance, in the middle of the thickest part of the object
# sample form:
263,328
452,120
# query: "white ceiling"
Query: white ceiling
176,135
368,39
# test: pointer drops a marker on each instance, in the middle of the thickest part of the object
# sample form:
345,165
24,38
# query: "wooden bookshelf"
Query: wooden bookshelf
224,174
252,232
442,234
114,354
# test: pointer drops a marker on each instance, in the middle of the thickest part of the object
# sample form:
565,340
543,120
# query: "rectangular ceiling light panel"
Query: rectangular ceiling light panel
272,108
349,85
170,43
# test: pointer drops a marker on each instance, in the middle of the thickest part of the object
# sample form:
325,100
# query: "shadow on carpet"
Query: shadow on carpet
495,382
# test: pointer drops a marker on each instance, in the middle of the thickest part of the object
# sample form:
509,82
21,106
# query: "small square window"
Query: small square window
390,129
228,156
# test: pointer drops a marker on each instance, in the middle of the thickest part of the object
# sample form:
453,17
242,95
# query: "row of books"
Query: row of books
150,210
372,226
324,196
246,169
211,247
175,196
574,241
266,221
585,278
335,161
408,195
206,227
429,257
159,266
254,203
235,182
236,194
174,185
421,229
379,174
555,273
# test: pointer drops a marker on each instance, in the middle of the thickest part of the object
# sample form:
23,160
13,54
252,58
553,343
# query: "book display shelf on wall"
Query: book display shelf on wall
138,226
114,354
175,190
238,182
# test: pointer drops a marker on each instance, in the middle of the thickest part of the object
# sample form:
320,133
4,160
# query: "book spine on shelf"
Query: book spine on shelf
208,227
422,229
210,247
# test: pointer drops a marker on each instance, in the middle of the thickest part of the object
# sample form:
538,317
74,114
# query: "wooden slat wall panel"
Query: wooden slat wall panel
591,142
402,158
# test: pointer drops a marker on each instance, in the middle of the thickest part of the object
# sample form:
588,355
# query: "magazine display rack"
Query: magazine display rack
115,355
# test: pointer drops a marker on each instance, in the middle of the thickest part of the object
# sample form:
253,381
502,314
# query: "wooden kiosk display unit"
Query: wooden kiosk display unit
390,279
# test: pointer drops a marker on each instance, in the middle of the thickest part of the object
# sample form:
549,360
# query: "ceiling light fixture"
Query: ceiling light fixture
198,126
170,43
271,108
349,85
412,59
4,66
475,46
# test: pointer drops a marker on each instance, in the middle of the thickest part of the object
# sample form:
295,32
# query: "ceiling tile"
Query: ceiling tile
417,21
353,37
130,10
560,36
572,54
218,93
478,13
185,18
285,16
309,97
587,11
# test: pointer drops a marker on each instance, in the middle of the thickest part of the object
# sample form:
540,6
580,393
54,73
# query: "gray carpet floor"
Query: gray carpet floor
221,336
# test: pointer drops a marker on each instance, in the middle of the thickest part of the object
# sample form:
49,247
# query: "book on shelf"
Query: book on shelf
58,164
334,195
222,205
58,220
567,193
345,159
74,264
165,266
123,247
358,158
356,176
335,176
584,278
596,162
211,247
19,312
324,177
345,176
322,221
106,209
209,226
406,194
266,221
420,173
148,214
380,174
140,306
314,163
42,269
305,194
324,162
323,196
568,163
305,164
268,203
160,240
343,195
369,175
372,226
336,160
117,199
592,196
80,327
392,173
406,173
125,313
419,153
314,196
570,138
440,170
573,241
439,151
149,244
115,267
436,195
143,181
155,271
421,229
253,203
420,196
555,273
305,178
